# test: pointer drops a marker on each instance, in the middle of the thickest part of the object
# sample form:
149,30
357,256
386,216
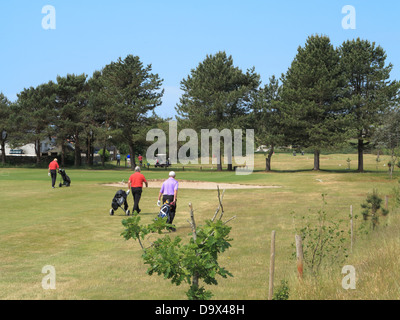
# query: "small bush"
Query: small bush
282,292
372,208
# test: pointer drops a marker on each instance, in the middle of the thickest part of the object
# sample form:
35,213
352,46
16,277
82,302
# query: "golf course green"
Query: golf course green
71,230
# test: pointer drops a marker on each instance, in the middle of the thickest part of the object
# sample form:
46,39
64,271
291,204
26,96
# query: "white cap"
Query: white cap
172,174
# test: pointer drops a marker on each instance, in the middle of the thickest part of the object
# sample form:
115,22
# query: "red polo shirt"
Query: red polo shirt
137,180
54,165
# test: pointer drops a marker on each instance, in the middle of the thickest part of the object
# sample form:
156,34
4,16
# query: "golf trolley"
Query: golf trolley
66,180
167,211
120,199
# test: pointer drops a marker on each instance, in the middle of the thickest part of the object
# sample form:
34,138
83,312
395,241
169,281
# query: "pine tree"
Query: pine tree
266,117
369,88
216,95
35,114
5,114
311,90
135,92
71,101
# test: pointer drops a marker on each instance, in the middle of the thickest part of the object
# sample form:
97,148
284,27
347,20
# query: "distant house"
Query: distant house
49,147
262,148
28,150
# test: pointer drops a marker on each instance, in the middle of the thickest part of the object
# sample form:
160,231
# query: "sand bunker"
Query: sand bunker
200,185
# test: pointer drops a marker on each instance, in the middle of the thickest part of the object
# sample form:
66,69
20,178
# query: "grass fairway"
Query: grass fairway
70,229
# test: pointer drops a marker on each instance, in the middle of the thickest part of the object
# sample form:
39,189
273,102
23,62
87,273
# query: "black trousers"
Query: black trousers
53,174
173,208
136,194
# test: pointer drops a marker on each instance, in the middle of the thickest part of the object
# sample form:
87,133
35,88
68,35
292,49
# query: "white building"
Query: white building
28,150
262,148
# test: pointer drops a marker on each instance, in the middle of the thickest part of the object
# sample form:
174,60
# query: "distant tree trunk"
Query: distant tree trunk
78,159
37,150
219,160
91,161
91,150
63,154
316,160
269,157
103,155
88,150
360,155
132,153
3,151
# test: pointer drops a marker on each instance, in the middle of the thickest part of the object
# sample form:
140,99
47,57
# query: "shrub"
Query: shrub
372,208
282,292
324,242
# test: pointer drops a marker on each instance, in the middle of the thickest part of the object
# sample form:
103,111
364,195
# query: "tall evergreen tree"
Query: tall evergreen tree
312,114
136,92
387,135
266,118
369,88
216,95
71,101
5,115
98,116
35,115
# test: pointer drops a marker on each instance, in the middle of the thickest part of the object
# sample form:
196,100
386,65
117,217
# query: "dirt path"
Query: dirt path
184,184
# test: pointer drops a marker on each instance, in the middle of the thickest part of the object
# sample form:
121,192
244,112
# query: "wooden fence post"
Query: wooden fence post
195,278
272,267
351,229
299,256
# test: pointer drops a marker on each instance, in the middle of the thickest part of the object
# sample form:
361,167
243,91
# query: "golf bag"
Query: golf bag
166,211
66,180
120,198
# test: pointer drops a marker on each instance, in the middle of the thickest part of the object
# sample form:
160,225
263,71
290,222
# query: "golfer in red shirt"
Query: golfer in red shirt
135,183
53,169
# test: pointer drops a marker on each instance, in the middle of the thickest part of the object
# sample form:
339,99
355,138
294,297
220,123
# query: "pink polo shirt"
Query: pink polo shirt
169,186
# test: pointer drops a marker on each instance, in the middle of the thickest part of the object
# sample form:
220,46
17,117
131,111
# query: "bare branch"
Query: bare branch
193,222
226,222
220,207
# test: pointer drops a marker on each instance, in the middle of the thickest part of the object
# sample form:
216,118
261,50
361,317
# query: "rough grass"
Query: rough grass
70,229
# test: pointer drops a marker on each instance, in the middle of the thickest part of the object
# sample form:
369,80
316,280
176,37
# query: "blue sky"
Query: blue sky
175,36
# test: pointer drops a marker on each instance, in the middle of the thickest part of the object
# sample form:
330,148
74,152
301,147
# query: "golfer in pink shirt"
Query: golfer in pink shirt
169,191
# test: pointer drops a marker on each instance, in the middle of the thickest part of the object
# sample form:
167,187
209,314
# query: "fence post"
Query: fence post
351,229
299,256
386,202
272,267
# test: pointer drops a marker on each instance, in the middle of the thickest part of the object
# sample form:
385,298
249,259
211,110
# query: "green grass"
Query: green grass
70,229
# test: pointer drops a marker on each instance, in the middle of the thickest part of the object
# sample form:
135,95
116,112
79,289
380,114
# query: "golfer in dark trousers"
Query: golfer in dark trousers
169,191
135,183
53,169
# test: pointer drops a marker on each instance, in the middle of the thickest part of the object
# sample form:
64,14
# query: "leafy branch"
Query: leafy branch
185,263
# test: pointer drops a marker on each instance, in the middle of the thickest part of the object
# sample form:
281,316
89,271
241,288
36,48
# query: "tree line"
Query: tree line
327,96
114,105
